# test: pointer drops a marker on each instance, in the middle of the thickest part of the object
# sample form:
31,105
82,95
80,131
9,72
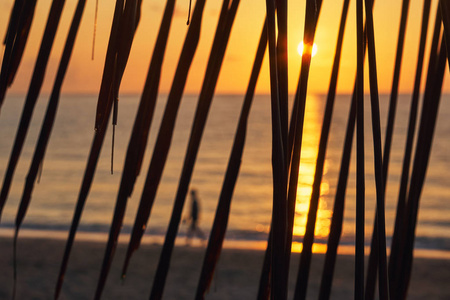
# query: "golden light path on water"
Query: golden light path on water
311,135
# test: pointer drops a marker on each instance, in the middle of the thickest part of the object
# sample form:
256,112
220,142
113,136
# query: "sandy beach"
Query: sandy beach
237,275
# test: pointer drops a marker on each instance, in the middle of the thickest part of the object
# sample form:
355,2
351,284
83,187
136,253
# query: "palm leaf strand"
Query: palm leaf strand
379,181
99,135
327,123
32,95
128,22
312,13
393,258
398,266
421,159
278,165
223,208
165,134
287,138
372,267
50,115
15,40
445,10
360,168
49,118
226,21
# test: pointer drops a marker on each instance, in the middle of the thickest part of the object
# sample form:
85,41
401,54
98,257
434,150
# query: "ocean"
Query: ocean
54,197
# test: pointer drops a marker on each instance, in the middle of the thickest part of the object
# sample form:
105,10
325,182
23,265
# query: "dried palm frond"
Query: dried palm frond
164,139
224,26
33,93
111,77
393,258
286,139
15,40
219,227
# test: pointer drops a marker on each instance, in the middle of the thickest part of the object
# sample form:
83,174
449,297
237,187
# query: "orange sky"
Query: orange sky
84,75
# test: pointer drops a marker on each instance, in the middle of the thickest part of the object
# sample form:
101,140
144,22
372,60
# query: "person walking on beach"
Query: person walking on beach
193,218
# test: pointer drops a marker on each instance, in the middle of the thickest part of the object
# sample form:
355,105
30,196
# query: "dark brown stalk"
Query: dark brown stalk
212,72
292,125
189,13
21,39
264,282
445,11
106,91
398,268
423,149
32,95
14,17
338,210
30,102
379,181
282,72
393,258
107,88
325,287
223,208
372,266
131,16
49,116
95,29
311,17
279,210
360,173
165,134
128,23
164,138
264,278
394,90
414,195
15,40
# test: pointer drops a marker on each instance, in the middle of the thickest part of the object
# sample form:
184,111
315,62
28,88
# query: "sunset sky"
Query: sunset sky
84,75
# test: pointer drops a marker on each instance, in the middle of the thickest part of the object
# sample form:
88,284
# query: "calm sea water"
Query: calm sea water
55,196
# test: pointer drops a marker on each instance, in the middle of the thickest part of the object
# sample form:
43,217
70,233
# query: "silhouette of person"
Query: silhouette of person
193,218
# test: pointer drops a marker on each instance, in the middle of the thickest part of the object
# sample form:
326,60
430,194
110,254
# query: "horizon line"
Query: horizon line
220,94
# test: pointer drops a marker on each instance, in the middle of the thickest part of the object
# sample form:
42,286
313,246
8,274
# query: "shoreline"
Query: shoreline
148,239
236,277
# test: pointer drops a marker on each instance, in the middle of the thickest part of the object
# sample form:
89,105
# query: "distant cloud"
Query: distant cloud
180,13
154,7
214,12
5,4
233,58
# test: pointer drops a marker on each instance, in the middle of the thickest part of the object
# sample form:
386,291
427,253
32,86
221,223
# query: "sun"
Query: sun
301,50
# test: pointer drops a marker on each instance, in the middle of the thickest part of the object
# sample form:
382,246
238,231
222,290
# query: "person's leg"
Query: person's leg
190,233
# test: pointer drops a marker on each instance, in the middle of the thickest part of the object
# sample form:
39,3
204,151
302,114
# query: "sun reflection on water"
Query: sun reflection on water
317,248
311,134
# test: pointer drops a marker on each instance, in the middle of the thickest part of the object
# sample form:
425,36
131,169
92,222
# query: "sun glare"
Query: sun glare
301,49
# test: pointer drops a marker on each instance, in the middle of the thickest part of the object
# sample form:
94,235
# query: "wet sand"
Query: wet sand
236,277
